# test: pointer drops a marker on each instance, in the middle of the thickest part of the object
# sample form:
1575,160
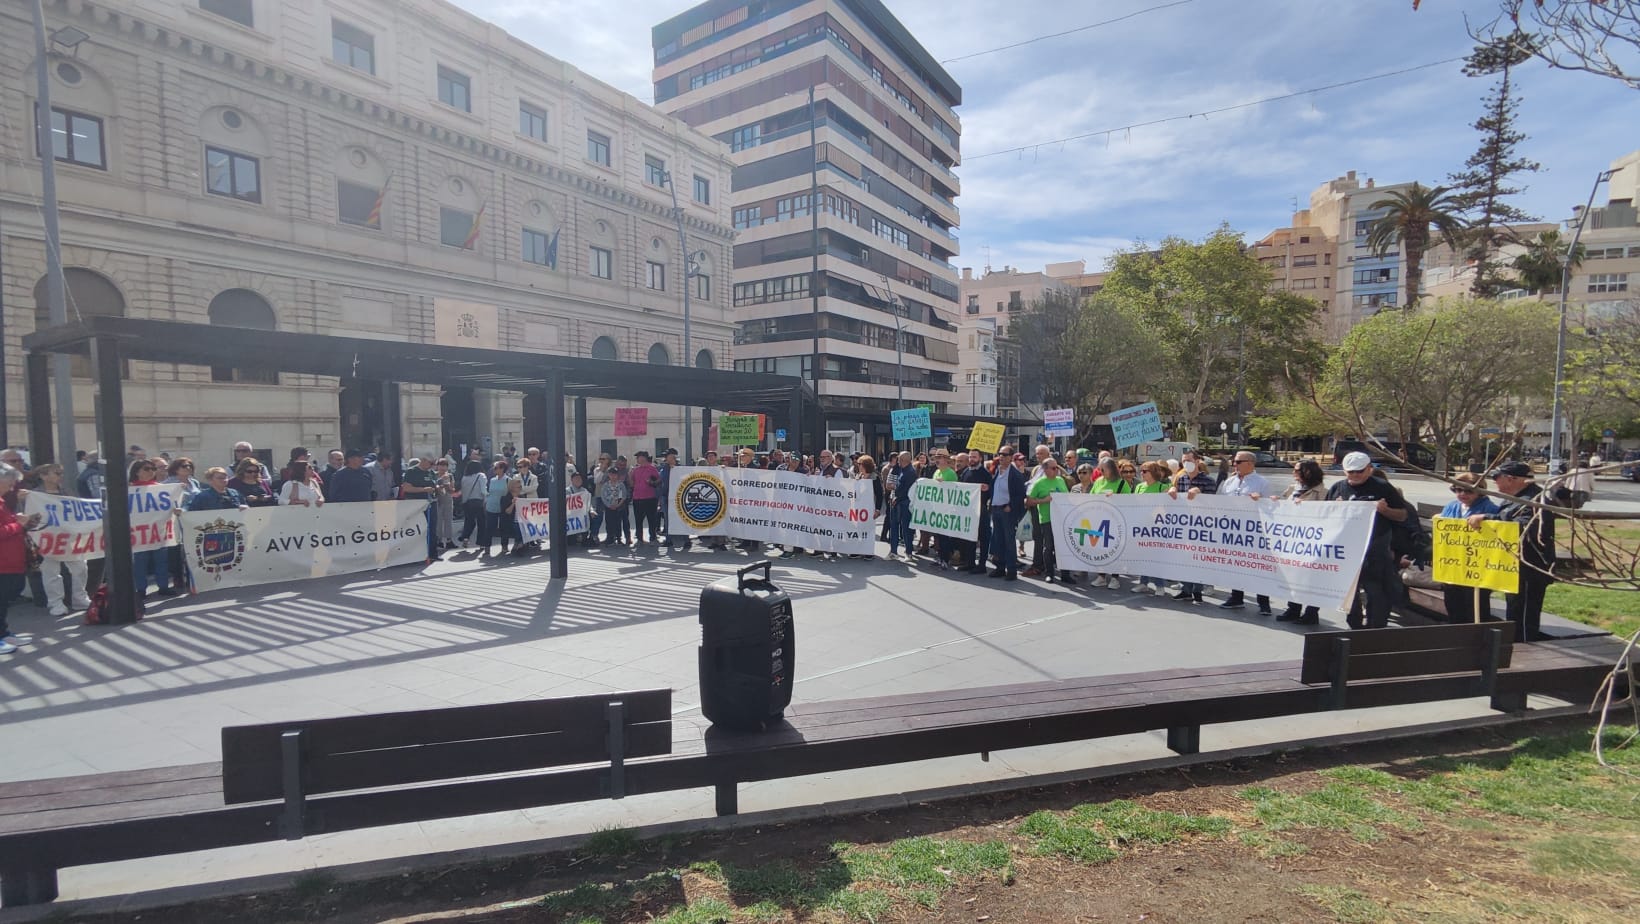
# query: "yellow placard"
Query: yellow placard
1487,557
986,437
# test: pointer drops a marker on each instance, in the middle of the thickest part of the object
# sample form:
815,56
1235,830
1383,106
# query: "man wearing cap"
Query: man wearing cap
1537,545
1378,577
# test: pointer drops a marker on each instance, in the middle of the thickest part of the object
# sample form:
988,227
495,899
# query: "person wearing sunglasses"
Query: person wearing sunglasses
1467,499
156,562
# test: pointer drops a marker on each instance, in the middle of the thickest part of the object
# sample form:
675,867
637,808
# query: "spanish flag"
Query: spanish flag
472,236
375,218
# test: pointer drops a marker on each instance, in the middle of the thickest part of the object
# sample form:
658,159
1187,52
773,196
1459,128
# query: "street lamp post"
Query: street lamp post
1224,435
691,269
55,300
1278,436
1560,342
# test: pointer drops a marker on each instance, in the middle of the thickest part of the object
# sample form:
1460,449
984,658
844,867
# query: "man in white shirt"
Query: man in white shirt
1245,481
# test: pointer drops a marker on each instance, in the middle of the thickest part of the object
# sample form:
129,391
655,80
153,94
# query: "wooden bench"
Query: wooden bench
290,779
1481,649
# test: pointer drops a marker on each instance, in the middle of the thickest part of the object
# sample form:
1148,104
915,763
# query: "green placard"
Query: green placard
930,407
737,430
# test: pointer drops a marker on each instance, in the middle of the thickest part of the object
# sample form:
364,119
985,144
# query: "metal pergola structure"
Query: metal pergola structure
110,341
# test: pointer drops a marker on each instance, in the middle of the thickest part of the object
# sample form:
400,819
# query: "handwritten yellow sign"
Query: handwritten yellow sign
1488,557
986,437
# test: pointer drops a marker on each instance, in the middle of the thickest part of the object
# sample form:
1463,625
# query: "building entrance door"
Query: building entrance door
364,426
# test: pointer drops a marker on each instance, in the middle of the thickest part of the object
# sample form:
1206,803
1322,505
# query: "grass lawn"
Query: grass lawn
1616,611
1469,828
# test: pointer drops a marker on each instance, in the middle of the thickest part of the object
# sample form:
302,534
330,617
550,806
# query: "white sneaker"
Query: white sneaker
83,603
1098,581
58,610
15,640
7,648
1139,587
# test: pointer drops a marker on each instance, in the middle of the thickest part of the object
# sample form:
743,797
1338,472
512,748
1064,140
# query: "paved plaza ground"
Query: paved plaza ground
465,631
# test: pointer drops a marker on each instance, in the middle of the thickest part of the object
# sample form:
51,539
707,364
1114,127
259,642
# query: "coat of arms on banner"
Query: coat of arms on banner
701,501
220,546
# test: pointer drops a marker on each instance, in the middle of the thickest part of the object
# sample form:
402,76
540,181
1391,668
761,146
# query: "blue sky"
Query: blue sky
1083,199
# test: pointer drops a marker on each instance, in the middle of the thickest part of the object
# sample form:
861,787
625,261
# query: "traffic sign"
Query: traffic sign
780,435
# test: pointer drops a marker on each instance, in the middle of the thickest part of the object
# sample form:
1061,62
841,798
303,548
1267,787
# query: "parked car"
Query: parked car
1631,465
1267,459
1421,455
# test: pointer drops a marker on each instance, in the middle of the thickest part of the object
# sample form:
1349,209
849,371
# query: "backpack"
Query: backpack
1412,539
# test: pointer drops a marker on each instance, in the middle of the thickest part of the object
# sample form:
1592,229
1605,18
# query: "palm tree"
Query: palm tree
1410,215
1539,267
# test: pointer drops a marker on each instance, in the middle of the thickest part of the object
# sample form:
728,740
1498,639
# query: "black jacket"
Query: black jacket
1016,489
978,476
1537,539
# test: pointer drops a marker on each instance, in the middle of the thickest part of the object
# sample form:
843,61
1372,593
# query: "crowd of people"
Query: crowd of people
1015,539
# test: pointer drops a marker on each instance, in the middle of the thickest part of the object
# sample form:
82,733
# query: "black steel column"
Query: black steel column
392,425
118,568
705,429
37,392
583,461
558,534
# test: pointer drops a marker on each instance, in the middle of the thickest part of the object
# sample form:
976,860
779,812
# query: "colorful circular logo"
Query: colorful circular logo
701,500
1093,534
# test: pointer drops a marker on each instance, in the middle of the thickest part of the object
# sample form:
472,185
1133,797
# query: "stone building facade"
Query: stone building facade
391,169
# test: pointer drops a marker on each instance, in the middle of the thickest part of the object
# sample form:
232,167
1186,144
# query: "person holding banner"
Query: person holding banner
1108,480
217,494
975,552
1468,500
1307,486
250,484
48,479
1244,481
300,487
1378,575
1037,496
1194,480
156,562
13,558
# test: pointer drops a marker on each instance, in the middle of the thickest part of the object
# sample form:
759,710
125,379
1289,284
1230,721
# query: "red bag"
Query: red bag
99,606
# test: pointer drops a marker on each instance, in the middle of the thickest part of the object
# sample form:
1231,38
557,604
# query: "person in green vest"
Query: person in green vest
1037,496
1154,478
944,471
1109,481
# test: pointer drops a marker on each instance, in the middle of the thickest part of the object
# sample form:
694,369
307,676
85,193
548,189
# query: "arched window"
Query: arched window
705,360
604,348
86,294
242,308
659,355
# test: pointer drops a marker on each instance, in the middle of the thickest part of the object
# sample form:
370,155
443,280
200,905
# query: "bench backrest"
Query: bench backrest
368,751
1375,654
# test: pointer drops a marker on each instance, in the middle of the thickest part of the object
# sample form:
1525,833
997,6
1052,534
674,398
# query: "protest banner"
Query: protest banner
631,421
738,430
948,508
535,516
912,424
1137,424
1486,558
1059,422
71,528
266,545
1308,552
986,437
821,514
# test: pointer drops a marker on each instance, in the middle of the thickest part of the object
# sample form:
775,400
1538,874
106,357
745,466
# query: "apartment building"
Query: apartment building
843,135
1609,277
394,169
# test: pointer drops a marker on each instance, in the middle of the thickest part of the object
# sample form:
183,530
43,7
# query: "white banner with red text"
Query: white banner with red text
71,528
267,545
805,511
1308,553
534,516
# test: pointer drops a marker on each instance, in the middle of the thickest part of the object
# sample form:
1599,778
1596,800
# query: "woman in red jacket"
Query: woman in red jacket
13,558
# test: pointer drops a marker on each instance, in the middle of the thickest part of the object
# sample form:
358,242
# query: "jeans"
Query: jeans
11,587
430,515
647,511
499,528
1004,529
154,562
473,520
617,525
899,527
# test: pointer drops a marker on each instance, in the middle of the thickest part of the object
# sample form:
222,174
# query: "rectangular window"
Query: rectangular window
352,46
1304,260
455,227
537,248
1609,282
240,11
76,138
532,121
703,287
455,89
747,137
237,176
1304,239
356,205
1361,228
703,190
1386,300
602,263
1374,276
598,148
657,276
749,217
1303,283
654,170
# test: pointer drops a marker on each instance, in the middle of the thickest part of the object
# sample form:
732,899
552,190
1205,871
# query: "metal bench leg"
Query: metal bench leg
293,821
1184,739
728,798
1340,673
20,887
615,713
1509,702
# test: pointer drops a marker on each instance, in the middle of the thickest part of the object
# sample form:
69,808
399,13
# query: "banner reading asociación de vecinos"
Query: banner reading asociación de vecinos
807,511
1309,553
266,545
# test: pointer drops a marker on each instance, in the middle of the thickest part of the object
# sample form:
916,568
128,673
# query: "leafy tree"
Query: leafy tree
1436,371
1600,37
1539,268
1482,189
1409,216
1604,356
1209,306
1084,355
